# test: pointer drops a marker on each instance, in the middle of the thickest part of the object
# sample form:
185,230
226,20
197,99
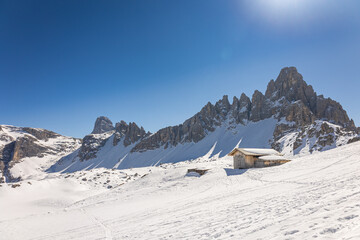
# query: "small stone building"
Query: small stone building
256,158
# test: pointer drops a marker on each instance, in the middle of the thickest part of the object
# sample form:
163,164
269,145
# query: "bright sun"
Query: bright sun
280,12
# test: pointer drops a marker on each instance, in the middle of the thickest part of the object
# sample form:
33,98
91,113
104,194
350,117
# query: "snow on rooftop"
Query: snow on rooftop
259,151
272,158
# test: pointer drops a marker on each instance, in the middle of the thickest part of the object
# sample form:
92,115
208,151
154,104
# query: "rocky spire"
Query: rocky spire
102,124
290,84
260,108
130,132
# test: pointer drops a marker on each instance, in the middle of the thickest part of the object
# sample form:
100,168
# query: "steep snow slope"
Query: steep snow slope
316,196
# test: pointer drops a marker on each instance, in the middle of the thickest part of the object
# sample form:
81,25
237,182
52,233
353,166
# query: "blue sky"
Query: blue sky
158,62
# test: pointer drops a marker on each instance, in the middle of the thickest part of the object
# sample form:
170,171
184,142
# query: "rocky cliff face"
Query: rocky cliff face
125,133
131,133
291,87
17,144
102,125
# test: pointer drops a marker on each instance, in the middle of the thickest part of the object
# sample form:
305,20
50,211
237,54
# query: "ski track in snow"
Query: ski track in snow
107,231
317,196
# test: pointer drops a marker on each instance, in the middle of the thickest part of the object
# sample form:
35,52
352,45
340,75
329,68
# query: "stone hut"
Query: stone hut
256,158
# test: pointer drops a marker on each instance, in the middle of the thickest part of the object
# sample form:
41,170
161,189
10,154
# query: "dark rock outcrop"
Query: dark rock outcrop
90,146
26,147
102,124
41,134
130,132
192,130
290,86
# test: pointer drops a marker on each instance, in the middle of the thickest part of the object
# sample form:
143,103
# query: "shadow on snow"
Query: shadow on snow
232,172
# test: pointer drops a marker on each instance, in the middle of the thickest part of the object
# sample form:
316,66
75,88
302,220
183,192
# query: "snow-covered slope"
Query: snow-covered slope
315,196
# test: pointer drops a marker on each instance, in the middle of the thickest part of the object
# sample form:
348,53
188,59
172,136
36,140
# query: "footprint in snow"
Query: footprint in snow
347,218
291,232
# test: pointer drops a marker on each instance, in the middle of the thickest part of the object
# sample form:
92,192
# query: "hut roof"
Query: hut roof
255,152
272,158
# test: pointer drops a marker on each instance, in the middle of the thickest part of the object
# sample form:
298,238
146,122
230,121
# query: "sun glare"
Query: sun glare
280,12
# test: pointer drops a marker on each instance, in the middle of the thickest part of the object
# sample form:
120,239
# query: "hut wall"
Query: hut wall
239,161
262,163
242,161
259,164
249,161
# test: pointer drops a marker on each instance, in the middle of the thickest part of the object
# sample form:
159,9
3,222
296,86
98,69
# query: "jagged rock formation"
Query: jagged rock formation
18,143
131,133
102,125
91,145
291,87
126,133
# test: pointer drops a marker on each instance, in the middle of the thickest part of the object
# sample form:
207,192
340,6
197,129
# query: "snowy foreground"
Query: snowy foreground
317,196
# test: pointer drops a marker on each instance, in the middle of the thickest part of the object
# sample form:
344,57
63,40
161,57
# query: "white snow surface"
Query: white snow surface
261,151
315,196
272,157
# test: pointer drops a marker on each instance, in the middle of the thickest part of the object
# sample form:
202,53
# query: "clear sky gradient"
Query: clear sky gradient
158,62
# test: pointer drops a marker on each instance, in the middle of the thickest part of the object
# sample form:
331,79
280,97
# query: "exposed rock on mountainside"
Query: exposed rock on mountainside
102,124
131,133
91,145
192,130
18,143
126,133
291,86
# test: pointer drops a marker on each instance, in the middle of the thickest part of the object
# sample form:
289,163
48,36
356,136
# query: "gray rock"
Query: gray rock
41,134
130,132
102,124
91,144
